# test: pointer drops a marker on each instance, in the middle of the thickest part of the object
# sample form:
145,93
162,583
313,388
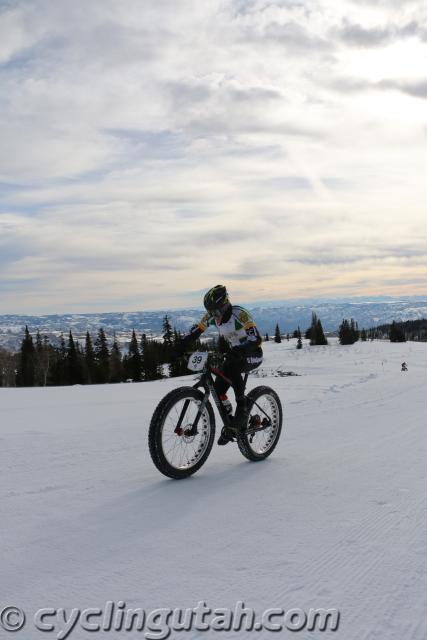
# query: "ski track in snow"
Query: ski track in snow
335,518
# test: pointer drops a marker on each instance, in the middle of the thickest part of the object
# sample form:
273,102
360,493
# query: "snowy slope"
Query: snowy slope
336,518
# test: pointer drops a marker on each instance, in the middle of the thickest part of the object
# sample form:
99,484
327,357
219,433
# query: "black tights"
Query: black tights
233,368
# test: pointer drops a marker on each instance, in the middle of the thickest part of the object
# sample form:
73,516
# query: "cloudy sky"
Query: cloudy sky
150,149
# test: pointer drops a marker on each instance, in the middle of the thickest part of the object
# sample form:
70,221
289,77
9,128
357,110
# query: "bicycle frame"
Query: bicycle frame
207,382
190,448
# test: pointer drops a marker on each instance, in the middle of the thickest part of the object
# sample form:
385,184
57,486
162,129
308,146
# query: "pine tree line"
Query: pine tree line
395,332
401,331
39,363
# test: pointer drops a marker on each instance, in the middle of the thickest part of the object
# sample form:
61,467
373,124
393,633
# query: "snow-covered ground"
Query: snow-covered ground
335,518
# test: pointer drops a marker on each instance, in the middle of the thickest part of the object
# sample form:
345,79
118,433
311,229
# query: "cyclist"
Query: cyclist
235,324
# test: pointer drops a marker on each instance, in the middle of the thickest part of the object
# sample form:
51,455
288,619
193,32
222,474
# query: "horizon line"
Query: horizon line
289,301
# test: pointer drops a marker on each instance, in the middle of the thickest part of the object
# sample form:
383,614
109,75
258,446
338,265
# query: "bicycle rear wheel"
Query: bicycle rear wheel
174,449
264,424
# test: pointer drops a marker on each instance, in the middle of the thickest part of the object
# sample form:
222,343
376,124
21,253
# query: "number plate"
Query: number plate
197,360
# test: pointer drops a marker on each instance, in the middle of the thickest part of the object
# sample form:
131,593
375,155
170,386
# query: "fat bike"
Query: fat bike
182,429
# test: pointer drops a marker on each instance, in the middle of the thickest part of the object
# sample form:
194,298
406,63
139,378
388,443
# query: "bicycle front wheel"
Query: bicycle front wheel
176,448
264,424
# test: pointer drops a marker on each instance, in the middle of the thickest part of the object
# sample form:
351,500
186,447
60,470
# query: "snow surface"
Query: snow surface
335,518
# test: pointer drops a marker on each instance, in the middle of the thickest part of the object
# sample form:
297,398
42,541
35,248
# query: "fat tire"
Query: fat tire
155,432
243,440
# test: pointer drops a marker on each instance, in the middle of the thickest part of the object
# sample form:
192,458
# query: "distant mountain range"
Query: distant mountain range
368,312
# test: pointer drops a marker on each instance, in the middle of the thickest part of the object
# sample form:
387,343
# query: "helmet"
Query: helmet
216,300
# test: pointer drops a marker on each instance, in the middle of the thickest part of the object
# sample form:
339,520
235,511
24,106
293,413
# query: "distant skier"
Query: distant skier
235,324
404,366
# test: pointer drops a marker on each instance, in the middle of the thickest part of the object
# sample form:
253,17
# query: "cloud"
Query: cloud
416,89
356,35
288,182
155,148
295,38
387,4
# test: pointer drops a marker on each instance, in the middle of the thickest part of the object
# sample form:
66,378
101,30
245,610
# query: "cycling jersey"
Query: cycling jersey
239,329
241,333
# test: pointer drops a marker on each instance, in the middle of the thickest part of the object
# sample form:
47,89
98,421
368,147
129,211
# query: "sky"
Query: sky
152,149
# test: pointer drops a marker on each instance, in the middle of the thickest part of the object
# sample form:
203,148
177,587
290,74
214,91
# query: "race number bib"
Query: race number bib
197,360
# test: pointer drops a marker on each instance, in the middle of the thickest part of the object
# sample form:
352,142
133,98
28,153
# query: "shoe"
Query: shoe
225,437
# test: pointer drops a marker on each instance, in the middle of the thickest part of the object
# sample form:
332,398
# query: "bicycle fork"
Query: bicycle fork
193,431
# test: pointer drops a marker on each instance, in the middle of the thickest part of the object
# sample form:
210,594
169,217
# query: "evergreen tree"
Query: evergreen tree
74,369
25,375
151,365
344,335
317,337
102,358
178,366
168,342
37,360
363,335
277,335
116,364
297,333
61,361
167,332
396,333
89,361
354,330
8,362
134,360
320,336
313,329
348,332
59,368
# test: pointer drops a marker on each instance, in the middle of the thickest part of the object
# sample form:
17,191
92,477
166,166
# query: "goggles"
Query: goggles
219,312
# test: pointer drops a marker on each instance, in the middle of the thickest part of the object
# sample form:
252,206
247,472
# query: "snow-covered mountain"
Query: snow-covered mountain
289,315
336,518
